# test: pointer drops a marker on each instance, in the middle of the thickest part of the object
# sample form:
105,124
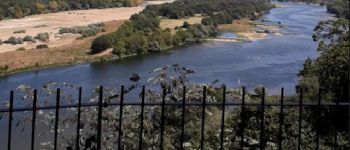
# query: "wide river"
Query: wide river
273,62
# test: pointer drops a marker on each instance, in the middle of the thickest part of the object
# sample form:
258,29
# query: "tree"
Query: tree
40,8
100,44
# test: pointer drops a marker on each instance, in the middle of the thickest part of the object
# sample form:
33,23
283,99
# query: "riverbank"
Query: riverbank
63,49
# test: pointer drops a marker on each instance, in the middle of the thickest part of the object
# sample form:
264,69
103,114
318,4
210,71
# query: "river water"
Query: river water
273,62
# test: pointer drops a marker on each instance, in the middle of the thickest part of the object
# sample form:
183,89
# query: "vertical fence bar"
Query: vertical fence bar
141,117
204,103
120,130
77,140
242,118
10,122
223,118
318,120
99,118
183,118
162,121
281,119
336,121
58,97
34,119
262,122
300,118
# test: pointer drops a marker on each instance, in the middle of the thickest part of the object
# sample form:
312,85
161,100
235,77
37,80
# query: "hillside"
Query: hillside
21,8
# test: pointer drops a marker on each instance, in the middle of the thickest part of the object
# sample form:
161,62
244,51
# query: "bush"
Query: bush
13,40
42,46
29,38
4,68
100,44
44,37
90,30
21,49
19,31
186,25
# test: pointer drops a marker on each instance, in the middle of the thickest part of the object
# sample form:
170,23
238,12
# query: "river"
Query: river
273,62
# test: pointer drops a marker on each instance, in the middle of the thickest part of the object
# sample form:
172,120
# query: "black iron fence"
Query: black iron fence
183,104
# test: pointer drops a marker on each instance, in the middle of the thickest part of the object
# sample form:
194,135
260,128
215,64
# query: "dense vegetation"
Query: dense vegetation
21,8
340,8
143,33
330,72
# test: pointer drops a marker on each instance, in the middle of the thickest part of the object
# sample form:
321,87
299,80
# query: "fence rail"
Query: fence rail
183,104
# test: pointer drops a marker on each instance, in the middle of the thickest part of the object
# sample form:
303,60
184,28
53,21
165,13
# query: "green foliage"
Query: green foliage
101,43
13,40
330,73
4,68
44,37
29,38
340,8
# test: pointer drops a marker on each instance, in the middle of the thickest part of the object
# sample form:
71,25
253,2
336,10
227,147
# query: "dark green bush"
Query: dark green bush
42,46
44,37
100,44
13,40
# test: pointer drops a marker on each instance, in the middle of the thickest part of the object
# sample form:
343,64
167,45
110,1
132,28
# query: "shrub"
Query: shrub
42,46
90,30
100,44
21,49
43,37
4,68
13,40
29,38
19,31
186,25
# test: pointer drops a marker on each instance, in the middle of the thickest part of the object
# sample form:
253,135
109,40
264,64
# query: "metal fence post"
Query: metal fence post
300,118
162,121
204,103
120,130
141,118
336,121
183,118
242,118
281,119
262,122
223,118
318,120
77,141
99,118
34,119
58,96
10,122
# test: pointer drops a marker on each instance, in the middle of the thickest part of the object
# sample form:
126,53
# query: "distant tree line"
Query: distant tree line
21,8
143,34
